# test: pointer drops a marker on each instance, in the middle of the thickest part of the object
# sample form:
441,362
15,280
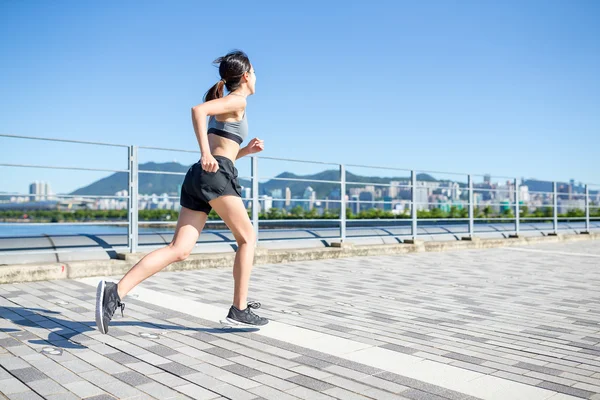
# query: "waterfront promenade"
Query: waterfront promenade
510,323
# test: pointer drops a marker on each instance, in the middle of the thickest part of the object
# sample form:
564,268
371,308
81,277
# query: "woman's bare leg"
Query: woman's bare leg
189,226
232,211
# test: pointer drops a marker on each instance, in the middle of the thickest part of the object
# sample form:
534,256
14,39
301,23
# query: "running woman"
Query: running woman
210,183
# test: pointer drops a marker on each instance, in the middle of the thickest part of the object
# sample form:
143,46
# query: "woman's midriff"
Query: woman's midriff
220,146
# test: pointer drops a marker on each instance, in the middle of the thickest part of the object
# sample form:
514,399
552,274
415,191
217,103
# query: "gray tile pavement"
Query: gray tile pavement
529,316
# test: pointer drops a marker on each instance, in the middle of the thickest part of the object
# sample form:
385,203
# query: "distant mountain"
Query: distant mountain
546,186
148,183
323,189
162,183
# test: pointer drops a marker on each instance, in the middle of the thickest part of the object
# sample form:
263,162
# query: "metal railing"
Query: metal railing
413,184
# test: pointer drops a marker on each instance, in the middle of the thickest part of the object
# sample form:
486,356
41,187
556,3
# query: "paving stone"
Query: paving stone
29,395
566,389
313,362
242,370
219,352
12,385
28,374
177,369
133,378
122,358
83,389
161,350
310,383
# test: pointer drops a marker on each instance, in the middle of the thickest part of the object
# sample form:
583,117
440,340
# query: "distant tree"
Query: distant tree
487,211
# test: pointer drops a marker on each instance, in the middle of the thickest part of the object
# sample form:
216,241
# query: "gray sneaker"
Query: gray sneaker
107,301
246,316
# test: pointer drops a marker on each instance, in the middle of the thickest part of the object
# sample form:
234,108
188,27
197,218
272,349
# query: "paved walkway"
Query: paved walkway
506,324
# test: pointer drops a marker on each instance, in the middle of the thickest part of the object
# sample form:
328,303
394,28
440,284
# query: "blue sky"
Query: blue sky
509,88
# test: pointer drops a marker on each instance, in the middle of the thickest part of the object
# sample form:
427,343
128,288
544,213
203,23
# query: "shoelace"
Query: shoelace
254,304
122,307
251,305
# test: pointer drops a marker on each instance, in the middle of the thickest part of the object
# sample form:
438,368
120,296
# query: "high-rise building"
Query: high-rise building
288,196
247,197
524,194
32,191
265,203
354,204
355,191
311,196
40,191
394,189
47,191
366,199
388,203
422,196
278,201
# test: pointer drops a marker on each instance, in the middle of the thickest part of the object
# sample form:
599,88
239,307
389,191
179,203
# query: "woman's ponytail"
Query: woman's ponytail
215,92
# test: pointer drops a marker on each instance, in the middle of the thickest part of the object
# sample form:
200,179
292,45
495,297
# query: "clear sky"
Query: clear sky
510,88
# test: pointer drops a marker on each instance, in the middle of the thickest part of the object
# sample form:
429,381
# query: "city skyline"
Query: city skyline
395,196
484,178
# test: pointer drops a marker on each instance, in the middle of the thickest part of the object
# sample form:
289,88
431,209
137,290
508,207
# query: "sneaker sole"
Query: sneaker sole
99,301
238,323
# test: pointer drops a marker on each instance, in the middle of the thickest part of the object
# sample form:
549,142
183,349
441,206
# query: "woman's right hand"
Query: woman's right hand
209,164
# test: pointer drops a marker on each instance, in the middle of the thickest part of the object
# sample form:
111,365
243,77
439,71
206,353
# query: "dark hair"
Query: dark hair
231,68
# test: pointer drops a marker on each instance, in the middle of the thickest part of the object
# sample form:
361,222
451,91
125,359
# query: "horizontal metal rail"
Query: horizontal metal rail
143,171
64,140
170,149
82,249
300,220
23,224
476,189
538,192
301,200
491,176
296,160
298,180
83,196
378,167
56,167
377,184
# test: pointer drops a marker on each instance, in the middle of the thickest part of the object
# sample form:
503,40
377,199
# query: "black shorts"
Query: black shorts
199,187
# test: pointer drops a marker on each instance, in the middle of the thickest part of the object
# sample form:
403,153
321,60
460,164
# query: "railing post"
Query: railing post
413,211
471,208
555,212
342,203
254,172
587,209
132,216
517,207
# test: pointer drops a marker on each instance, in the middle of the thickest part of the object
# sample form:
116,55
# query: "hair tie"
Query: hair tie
223,80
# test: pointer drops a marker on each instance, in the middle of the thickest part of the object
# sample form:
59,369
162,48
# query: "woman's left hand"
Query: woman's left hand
255,146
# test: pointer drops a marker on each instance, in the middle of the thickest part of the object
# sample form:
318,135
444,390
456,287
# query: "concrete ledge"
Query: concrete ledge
341,245
33,272
81,269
